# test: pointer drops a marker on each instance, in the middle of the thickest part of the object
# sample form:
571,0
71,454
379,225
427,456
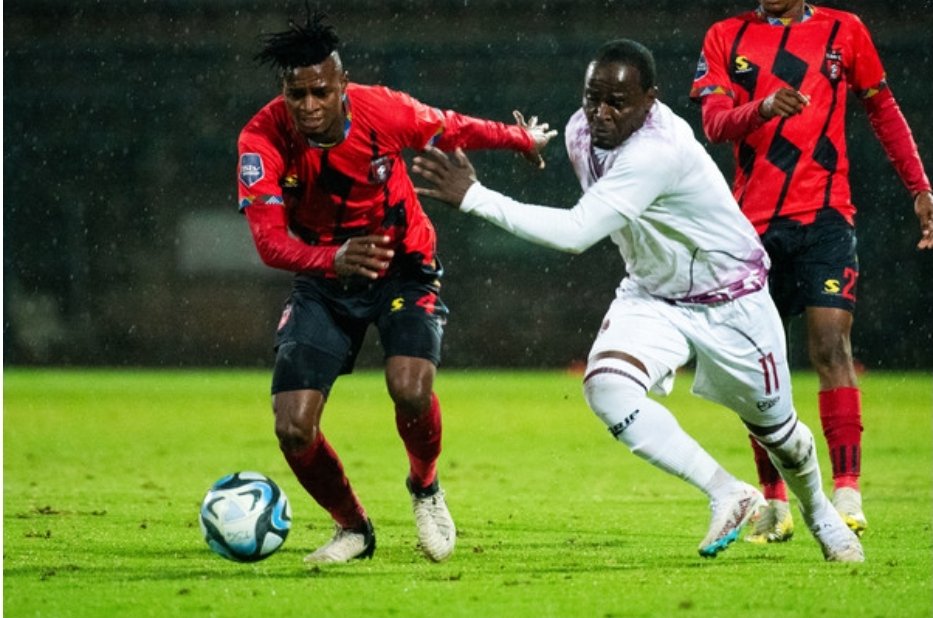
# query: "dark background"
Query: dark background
122,242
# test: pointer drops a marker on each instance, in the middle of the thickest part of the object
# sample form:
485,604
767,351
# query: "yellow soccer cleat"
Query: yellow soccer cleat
848,501
775,525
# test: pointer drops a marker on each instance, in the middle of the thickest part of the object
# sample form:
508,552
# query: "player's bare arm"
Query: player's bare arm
540,133
451,177
366,256
923,206
783,102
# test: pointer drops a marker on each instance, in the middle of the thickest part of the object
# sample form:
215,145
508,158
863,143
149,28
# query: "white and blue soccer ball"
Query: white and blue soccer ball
245,517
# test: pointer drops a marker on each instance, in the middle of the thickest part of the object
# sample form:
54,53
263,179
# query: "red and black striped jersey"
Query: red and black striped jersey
360,186
791,167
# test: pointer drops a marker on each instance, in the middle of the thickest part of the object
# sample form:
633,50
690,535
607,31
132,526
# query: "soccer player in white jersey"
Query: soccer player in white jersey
696,288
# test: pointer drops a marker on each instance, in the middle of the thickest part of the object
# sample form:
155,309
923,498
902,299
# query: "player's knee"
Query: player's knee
295,432
614,389
412,404
410,390
830,352
294,438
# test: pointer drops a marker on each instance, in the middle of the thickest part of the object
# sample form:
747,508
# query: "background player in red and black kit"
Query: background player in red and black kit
774,82
327,195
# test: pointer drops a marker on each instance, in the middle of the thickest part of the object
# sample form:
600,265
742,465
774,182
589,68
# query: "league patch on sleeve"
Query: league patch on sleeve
251,170
435,137
702,67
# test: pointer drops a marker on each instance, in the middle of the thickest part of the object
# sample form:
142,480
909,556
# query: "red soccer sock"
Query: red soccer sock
841,416
320,472
772,485
422,438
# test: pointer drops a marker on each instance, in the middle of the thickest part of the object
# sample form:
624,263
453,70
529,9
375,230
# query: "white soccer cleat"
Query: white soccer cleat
437,534
838,542
775,525
729,513
848,502
346,545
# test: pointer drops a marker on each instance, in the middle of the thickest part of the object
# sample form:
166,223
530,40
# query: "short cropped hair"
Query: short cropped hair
300,45
632,53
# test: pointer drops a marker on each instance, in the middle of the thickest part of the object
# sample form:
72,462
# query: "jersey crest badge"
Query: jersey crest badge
380,169
251,170
832,66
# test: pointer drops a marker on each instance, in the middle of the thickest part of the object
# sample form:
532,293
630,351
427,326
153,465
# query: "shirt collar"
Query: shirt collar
347,121
785,21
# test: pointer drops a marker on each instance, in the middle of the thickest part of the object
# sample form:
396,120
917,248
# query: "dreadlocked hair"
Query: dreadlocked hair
300,45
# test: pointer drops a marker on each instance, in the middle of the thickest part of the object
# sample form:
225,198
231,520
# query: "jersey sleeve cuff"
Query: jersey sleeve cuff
474,197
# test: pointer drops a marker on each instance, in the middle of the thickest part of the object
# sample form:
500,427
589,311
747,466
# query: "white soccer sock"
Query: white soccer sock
650,430
794,455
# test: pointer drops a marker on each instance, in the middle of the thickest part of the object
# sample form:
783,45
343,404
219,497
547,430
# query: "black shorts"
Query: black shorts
812,265
325,321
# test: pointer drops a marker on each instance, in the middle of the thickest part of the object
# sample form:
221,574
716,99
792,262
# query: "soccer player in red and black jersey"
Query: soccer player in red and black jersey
327,196
774,82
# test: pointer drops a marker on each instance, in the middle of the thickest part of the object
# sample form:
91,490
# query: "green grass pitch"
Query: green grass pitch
104,472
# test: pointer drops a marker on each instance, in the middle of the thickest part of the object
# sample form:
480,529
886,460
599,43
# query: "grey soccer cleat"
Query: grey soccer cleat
346,545
838,542
437,534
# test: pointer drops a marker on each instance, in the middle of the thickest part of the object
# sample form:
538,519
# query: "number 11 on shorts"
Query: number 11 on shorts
769,369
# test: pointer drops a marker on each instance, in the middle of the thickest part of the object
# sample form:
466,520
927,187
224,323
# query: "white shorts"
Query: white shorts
739,347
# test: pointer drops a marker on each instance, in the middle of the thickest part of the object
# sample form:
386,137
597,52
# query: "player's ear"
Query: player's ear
651,95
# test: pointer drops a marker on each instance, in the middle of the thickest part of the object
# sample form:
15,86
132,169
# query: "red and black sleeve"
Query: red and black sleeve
892,131
278,249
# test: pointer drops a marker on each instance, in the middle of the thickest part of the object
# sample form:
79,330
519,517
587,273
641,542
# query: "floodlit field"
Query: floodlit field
104,473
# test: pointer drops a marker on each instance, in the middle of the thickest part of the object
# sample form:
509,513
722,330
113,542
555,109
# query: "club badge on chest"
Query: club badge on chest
380,168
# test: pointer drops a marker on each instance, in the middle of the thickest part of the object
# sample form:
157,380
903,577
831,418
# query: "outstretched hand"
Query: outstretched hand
451,177
363,256
539,133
